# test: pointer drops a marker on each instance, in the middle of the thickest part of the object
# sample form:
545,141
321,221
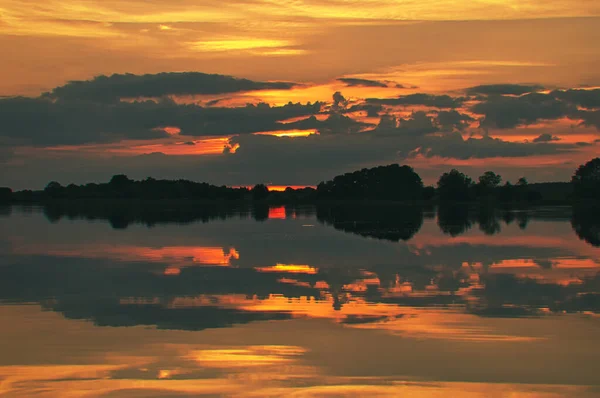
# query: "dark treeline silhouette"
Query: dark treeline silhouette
120,186
393,182
383,183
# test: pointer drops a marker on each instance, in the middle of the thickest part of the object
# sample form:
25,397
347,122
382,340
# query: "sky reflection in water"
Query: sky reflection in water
329,301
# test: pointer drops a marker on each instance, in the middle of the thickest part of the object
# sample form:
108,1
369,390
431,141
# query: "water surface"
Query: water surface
113,301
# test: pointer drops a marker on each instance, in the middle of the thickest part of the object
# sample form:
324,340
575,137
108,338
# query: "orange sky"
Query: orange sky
69,37
404,47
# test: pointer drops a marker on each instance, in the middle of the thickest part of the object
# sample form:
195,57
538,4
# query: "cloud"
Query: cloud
372,110
334,124
339,102
455,146
590,118
112,88
584,98
546,138
37,121
279,160
507,112
437,101
504,89
449,120
354,82
346,142
418,124
40,122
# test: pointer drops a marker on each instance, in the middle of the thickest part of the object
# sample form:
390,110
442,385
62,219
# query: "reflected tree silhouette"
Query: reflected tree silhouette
457,218
454,219
122,214
488,220
393,223
5,210
586,223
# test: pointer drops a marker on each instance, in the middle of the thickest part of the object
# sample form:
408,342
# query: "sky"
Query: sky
294,92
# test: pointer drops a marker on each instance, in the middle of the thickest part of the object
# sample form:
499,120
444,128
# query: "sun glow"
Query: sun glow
289,268
289,133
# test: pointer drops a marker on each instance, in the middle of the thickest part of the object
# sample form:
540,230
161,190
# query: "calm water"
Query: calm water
372,301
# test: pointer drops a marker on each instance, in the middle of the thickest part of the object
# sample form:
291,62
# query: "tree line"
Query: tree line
387,183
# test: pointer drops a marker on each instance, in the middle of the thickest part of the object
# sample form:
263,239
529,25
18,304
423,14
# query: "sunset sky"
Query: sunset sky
296,91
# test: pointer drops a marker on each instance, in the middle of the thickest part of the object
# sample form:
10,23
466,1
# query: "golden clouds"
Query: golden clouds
93,18
258,46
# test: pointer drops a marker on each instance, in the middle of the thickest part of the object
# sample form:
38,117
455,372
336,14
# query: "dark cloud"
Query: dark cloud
437,101
590,118
372,110
335,123
214,102
278,160
112,88
546,138
449,120
353,82
455,146
584,98
339,102
509,112
504,89
45,122
418,124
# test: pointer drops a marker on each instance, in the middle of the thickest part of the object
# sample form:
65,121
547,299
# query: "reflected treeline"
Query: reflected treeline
456,219
388,222
393,223
586,223
122,214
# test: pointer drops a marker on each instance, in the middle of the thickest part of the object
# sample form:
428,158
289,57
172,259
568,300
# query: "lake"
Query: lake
202,300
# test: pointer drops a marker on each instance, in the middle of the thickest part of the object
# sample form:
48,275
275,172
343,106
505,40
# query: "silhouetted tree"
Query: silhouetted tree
586,180
5,194
120,180
507,192
522,182
490,180
428,193
487,185
454,186
54,189
260,192
392,182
